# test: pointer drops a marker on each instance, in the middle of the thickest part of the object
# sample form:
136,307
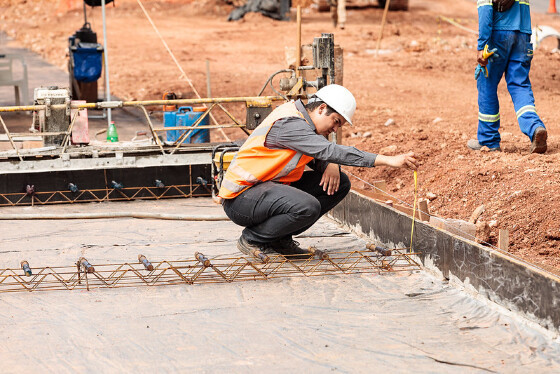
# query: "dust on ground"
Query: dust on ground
422,80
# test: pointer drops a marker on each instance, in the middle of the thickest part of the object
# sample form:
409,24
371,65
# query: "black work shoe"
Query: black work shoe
538,144
247,248
476,146
290,248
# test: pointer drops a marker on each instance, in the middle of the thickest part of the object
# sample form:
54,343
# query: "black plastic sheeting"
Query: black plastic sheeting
503,279
275,9
93,3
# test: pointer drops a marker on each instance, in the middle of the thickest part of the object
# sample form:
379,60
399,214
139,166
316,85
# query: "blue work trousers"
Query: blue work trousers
515,54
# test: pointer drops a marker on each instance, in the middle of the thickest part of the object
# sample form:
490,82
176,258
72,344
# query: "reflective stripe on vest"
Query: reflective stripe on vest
489,117
480,3
290,166
254,163
232,187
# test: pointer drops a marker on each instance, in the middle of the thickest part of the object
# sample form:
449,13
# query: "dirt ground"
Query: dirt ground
422,80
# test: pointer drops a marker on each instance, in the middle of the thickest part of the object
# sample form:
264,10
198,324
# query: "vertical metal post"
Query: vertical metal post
382,26
208,87
105,55
298,49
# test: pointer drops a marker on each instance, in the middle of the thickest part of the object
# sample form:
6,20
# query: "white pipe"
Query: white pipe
107,87
165,216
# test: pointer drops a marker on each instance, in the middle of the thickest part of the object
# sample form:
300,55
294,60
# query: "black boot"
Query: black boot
289,248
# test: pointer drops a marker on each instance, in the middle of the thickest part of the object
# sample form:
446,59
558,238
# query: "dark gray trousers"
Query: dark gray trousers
272,211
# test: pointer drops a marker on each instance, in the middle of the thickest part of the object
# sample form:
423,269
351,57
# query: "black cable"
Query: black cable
270,80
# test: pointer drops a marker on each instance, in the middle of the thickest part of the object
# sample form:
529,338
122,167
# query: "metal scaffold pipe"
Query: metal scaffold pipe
106,57
121,104
164,216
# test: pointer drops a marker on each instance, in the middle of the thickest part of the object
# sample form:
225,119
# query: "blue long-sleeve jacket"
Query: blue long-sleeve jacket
518,18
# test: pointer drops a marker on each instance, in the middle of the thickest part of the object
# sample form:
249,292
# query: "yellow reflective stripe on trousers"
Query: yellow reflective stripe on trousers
526,109
489,117
524,2
480,3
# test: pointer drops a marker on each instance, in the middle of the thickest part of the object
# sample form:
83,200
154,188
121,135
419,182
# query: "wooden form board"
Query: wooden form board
422,212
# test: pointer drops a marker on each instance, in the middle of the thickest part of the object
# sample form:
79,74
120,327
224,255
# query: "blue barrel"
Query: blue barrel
186,116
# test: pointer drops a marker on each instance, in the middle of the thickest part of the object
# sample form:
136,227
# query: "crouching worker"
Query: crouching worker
265,188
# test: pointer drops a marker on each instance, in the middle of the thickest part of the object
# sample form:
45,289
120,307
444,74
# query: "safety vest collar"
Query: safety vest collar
302,110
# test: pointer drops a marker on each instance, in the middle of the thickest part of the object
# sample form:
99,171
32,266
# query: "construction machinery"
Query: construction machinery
70,168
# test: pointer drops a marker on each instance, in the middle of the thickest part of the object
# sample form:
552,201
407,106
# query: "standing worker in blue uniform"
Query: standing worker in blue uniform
505,27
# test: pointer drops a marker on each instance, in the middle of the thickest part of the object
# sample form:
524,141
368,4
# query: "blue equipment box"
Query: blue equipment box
87,61
186,116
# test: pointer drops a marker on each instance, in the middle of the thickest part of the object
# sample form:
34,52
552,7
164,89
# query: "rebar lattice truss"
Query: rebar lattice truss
200,270
104,194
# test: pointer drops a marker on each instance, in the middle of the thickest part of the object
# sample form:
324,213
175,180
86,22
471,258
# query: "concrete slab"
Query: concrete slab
355,323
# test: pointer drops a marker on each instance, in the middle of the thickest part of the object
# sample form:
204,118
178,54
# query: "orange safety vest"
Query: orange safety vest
254,163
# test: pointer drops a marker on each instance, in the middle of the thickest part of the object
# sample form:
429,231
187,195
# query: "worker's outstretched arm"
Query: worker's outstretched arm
406,160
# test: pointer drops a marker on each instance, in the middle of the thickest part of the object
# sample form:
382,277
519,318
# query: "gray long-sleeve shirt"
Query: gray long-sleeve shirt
296,134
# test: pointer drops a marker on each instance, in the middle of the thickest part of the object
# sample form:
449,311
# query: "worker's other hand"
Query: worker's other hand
331,179
406,160
480,59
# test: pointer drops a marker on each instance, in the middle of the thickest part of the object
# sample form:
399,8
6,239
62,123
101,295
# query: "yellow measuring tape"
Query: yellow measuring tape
414,208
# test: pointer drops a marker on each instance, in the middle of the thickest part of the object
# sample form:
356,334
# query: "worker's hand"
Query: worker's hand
480,59
331,179
406,160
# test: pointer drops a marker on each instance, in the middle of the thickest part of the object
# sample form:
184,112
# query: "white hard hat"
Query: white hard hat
340,99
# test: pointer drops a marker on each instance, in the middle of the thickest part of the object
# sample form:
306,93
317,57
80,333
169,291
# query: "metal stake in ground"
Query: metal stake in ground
382,26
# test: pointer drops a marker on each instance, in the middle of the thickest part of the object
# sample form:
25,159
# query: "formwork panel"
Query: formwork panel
105,184
510,282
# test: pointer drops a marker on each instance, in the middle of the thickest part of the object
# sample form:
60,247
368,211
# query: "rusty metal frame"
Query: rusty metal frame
102,194
200,270
213,103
